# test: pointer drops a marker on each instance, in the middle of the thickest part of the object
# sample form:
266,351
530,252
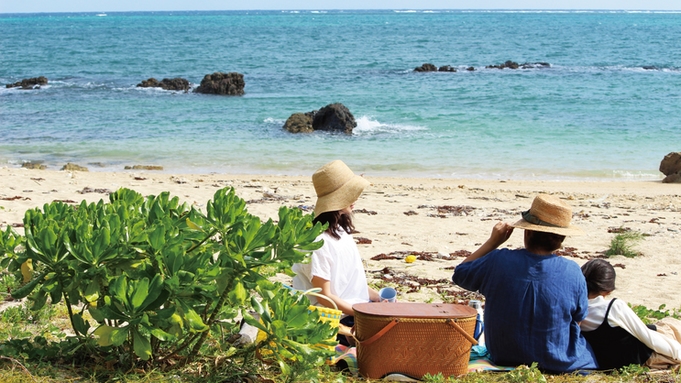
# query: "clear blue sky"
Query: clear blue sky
19,6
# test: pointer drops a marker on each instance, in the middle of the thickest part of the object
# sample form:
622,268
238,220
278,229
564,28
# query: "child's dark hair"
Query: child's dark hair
600,276
336,221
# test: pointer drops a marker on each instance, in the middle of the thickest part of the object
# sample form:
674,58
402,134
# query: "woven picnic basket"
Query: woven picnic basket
413,338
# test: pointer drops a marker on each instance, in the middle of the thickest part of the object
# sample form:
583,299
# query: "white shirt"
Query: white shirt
339,262
621,315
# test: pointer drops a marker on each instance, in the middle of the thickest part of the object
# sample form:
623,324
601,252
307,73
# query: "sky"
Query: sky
30,6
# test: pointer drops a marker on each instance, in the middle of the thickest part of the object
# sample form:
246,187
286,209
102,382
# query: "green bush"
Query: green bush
148,279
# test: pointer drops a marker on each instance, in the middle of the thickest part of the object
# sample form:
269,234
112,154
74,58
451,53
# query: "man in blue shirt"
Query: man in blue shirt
534,299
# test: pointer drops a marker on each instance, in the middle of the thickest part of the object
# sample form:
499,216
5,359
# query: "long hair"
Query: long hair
336,222
600,276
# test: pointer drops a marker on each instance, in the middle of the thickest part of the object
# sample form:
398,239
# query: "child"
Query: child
337,266
617,335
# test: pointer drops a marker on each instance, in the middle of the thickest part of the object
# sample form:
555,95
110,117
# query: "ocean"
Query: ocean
607,106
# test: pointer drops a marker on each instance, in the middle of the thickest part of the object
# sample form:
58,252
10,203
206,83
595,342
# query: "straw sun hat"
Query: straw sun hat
337,187
548,214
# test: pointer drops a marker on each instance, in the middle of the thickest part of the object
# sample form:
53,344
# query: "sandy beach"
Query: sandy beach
439,220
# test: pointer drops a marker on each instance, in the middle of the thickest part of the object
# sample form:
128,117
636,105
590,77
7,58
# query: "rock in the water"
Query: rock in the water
333,117
73,167
446,68
300,123
29,83
670,166
231,84
176,83
427,67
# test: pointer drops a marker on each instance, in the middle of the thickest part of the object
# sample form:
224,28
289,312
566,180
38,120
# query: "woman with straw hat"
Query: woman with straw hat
337,266
534,299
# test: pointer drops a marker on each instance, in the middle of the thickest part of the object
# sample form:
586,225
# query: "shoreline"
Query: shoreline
438,219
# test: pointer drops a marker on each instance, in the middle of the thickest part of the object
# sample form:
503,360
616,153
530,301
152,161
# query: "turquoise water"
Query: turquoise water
595,113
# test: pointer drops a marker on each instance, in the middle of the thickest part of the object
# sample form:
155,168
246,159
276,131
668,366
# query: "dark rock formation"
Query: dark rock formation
671,167
470,69
29,83
514,65
73,167
508,64
176,83
231,84
446,68
650,67
427,67
300,123
33,165
333,117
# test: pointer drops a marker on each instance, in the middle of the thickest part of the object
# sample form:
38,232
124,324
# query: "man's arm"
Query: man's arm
500,234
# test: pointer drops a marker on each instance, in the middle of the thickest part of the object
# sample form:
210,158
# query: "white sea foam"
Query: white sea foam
368,126
278,121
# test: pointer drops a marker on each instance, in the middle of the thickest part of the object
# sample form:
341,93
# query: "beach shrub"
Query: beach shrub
623,244
149,280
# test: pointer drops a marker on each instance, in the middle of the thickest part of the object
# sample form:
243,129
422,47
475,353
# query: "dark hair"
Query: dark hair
549,242
336,221
599,275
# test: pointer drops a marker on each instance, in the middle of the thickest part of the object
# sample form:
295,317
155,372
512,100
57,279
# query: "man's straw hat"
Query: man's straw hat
550,215
337,187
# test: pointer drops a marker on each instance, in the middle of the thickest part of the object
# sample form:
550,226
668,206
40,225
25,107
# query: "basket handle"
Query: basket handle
378,335
462,331
315,292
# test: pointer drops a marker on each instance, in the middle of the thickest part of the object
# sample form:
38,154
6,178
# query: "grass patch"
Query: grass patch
623,244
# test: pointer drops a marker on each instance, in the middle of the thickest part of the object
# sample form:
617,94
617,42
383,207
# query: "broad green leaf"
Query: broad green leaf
92,291
157,237
80,325
140,292
239,293
26,289
142,345
104,335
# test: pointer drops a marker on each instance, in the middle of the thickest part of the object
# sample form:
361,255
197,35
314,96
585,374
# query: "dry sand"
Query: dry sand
400,216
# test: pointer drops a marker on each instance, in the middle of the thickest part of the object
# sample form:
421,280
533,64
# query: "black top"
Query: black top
615,347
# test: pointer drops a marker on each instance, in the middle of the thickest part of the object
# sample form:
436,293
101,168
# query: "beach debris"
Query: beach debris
64,200
332,118
410,212
178,180
29,83
365,211
91,190
410,258
177,83
139,178
363,241
229,84
413,282
670,166
401,254
17,197
143,167
33,165
447,210
73,167
460,253
620,265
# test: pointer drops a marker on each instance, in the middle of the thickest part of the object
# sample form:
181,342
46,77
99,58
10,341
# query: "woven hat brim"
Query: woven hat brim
567,231
342,197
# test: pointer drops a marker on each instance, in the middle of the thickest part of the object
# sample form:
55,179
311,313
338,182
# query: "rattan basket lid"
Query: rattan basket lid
415,310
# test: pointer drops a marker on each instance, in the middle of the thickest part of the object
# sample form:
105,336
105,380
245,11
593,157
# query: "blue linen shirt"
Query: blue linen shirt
533,304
